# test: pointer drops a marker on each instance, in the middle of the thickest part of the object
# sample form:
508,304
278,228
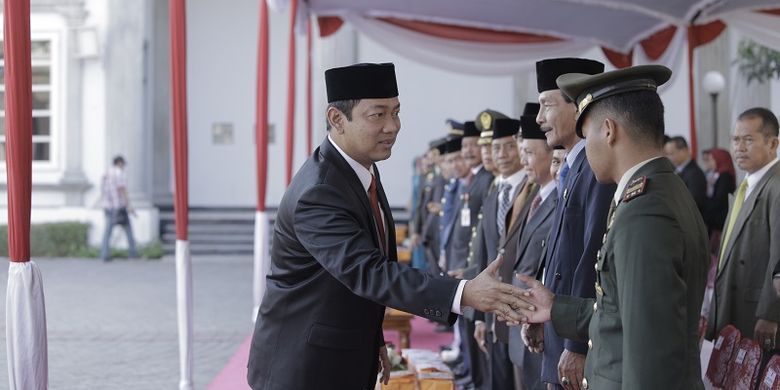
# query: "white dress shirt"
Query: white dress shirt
755,177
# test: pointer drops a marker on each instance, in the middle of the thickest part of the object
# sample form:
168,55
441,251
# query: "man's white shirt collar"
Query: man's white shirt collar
574,152
476,169
547,189
755,177
362,173
514,179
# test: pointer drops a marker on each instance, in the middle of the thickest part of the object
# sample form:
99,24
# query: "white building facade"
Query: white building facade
101,88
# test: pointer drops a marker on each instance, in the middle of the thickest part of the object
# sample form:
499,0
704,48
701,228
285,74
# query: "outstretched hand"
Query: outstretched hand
486,294
537,301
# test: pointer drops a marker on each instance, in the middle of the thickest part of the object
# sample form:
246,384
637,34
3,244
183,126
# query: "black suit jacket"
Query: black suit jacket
320,323
694,179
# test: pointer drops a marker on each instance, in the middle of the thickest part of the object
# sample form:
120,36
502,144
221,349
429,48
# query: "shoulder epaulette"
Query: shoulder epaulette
635,188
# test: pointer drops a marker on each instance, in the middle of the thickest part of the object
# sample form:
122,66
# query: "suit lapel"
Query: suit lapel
385,205
746,210
545,210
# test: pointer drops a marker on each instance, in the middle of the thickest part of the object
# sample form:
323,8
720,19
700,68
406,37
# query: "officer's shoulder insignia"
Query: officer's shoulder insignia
635,188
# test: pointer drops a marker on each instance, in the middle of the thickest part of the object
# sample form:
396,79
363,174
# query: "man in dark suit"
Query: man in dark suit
469,204
676,150
425,195
500,213
334,257
750,245
642,326
579,220
527,255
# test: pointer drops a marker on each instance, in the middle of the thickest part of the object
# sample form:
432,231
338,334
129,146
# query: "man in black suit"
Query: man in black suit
527,255
579,221
333,257
676,150
500,213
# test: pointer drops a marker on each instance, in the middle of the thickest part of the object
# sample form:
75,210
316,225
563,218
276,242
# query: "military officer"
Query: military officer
641,328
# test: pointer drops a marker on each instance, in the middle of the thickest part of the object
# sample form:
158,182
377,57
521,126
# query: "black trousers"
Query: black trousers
501,375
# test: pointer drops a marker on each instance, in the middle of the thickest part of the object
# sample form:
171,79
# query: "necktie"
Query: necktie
562,177
732,219
380,224
503,207
534,206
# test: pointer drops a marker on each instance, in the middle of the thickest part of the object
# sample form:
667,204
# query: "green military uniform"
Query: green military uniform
642,328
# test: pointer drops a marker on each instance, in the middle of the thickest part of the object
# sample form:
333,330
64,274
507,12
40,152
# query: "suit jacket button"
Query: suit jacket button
557,276
425,311
590,344
584,383
595,306
742,262
438,313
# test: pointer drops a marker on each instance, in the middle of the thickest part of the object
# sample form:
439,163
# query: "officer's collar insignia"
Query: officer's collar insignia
635,188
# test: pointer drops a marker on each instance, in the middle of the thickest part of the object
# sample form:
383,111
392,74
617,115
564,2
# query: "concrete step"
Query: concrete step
199,248
213,238
220,229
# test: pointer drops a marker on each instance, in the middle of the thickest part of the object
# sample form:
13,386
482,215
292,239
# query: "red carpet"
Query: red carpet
233,375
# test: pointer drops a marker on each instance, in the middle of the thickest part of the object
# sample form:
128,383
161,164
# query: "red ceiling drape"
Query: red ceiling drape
18,125
261,109
179,94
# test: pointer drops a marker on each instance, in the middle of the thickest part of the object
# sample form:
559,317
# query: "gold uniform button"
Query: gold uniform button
590,344
595,306
596,266
584,383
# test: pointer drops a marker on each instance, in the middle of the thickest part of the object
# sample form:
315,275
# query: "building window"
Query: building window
41,50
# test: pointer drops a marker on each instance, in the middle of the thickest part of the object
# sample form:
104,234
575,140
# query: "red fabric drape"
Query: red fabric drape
698,35
309,127
468,34
619,60
179,95
290,151
261,109
18,125
775,11
655,45
329,25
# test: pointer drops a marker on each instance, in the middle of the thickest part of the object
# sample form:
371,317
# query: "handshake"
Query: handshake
510,303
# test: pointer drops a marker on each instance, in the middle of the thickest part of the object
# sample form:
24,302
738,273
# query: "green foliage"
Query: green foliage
52,239
757,62
69,239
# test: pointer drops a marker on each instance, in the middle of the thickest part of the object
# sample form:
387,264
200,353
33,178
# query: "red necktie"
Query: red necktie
380,225
534,206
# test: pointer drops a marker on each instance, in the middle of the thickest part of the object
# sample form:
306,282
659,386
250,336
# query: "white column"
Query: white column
184,311
25,328
262,263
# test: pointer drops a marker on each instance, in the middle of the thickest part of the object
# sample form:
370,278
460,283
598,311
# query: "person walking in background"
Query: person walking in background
116,204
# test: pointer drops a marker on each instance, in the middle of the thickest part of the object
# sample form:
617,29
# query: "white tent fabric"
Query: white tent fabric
262,262
460,56
25,328
672,57
761,28
618,25
184,311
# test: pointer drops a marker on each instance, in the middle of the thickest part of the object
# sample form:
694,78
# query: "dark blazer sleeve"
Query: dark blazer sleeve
769,304
596,208
334,236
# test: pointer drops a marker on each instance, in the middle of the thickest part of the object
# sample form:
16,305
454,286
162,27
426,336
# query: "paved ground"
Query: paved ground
113,326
